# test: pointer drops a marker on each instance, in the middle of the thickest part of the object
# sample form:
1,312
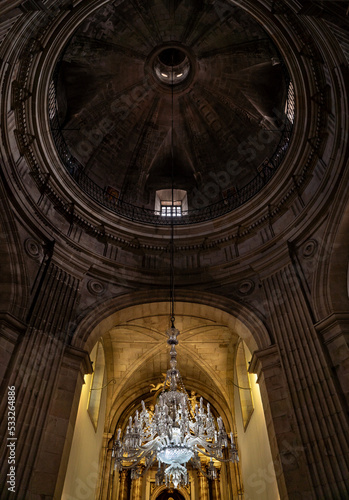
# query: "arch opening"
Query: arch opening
137,358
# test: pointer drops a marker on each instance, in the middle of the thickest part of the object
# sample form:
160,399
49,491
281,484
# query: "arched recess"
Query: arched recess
14,286
160,489
119,320
239,317
14,290
332,294
333,268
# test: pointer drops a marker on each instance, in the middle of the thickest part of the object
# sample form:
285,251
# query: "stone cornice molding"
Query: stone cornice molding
264,360
10,327
333,325
275,262
78,358
75,266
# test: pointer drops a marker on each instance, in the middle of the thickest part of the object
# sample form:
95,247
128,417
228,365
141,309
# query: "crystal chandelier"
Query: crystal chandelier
171,436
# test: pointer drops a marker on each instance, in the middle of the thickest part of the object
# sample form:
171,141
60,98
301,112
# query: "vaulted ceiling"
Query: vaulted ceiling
137,355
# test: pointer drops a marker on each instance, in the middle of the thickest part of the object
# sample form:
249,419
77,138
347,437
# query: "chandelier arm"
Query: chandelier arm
153,458
133,465
199,440
192,440
208,447
132,458
223,460
200,469
203,444
151,443
212,449
135,458
149,446
144,450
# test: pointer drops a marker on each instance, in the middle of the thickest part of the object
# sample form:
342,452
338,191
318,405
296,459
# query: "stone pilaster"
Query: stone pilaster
11,331
107,474
124,489
334,331
289,460
203,487
215,488
45,372
57,436
297,375
136,493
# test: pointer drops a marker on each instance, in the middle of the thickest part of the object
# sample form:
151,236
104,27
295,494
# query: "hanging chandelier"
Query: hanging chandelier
170,435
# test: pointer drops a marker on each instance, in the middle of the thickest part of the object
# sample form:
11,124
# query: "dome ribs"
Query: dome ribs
136,173
199,9
109,45
251,48
148,20
118,126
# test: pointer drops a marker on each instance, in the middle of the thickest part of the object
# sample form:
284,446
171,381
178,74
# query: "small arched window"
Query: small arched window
243,383
168,207
97,382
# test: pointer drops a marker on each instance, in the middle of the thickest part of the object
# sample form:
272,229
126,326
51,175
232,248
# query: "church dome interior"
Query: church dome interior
174,168
131,100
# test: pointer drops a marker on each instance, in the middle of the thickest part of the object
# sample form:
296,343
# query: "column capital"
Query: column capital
11,327
123,474
74,357
333,326
264,360
200,473
334,331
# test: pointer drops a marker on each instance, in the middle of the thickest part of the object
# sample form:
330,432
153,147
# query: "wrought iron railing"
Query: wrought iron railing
148,216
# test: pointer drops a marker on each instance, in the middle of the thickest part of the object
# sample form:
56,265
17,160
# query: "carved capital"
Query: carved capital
78,359
264,360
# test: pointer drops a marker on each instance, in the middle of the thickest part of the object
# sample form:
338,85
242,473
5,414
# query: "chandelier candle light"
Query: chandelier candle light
170,435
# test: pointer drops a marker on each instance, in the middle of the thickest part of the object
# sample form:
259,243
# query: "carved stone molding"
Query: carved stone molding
309,248
264,360
33,248
95,287
246,287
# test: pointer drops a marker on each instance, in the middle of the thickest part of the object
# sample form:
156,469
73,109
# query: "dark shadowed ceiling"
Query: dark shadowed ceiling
129,61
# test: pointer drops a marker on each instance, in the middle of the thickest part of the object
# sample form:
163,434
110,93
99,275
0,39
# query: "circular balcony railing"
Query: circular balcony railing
193,216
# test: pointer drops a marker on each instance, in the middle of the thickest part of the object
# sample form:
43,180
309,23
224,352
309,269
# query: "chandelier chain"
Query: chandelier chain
174,434
172,210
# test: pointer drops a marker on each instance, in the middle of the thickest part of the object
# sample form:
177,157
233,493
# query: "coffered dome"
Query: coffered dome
115,83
